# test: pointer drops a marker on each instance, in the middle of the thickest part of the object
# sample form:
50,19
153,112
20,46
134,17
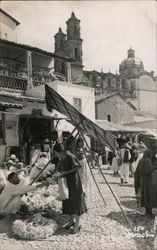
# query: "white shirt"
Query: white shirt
10,198
3,180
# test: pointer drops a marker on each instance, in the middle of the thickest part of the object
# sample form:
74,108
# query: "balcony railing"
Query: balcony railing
37,83
13,82
41,75
13,75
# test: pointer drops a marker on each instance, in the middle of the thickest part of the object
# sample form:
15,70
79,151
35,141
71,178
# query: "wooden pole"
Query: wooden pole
37,177
109,185
94,179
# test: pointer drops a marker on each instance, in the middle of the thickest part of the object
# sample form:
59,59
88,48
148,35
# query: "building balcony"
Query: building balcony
11,82
14,75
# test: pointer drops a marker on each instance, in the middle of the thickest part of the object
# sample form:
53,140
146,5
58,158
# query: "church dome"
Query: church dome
131,66
131,61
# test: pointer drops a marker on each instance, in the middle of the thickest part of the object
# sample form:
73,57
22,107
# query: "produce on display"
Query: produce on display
36,227
41,199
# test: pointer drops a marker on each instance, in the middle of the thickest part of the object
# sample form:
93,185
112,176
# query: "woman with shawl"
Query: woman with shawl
143,182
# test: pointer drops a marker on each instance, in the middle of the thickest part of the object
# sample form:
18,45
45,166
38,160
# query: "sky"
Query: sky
108,29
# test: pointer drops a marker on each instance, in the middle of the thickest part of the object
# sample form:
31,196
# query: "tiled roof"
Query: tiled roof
11,105
18,96
115,127
100,98
35,49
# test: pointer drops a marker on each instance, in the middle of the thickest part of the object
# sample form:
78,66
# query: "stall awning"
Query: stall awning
11,105
77,119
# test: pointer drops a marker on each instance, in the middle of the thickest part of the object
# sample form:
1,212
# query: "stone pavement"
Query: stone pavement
103,227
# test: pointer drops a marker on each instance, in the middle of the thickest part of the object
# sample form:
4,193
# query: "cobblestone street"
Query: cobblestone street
102,227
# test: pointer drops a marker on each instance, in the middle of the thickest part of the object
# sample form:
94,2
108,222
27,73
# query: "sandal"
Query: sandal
68,225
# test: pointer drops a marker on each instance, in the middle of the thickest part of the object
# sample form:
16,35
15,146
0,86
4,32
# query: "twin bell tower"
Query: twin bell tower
69,45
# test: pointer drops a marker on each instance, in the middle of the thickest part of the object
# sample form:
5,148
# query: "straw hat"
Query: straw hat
9,162
13,157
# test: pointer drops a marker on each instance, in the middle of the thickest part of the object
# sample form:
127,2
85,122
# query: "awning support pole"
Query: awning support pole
108,185
94,177
37,177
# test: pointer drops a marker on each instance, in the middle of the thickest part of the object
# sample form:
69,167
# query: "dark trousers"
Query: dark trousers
148,210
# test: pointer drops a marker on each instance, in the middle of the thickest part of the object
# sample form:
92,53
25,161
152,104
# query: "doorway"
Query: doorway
32,132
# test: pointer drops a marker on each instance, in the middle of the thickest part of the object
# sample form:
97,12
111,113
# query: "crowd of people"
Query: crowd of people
137,161
69,160
124,160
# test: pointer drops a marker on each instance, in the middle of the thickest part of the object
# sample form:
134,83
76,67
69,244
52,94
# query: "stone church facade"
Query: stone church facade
70,45
126,82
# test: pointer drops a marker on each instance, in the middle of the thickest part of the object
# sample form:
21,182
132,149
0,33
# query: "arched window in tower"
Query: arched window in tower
132,89
76,53
75,30
62,44
117,83
109,83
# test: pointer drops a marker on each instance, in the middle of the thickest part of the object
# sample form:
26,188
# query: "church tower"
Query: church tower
74,48
60,41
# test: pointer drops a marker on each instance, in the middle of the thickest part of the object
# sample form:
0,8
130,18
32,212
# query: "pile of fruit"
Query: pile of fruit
36,227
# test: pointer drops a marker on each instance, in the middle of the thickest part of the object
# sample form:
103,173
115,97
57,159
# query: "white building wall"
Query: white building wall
12,137
11,132
147,95
8,28
86,94
68,92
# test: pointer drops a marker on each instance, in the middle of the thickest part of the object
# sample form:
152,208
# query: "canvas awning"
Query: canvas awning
82,123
